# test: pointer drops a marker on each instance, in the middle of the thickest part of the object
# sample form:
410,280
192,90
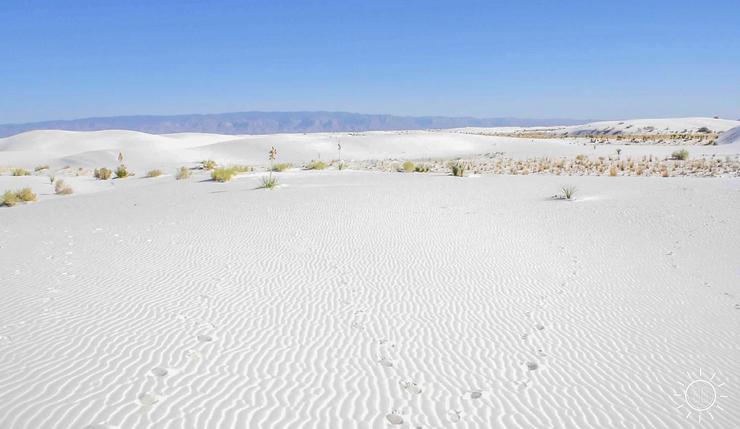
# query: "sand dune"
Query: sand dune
350,299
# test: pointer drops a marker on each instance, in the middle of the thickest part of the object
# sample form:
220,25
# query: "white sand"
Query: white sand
353,299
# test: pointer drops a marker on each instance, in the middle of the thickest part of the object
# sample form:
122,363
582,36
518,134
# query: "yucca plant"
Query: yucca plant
458,168
568,191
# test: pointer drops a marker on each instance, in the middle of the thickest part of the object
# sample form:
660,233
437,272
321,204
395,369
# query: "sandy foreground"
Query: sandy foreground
350,299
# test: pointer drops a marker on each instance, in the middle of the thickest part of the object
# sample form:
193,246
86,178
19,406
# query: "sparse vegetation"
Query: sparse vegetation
10,199
268,182
568,191
341,165
458,168
154,173
40,168
208,164
241,168
422,168
316,165
408,166
182,173
680,155
61,188
223,174
281,166
20,172
26,195
122,172
102,173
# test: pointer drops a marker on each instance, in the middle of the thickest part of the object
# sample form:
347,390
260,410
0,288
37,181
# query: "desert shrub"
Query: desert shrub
154,173
408,166
281,166
20,172
241,168
40,168
613,170
182,173
61,188
26,195
568,191
102,173
268,182
341,165
422,168
223,174
704,130
681,155
208,164
458,168
122,172
10,199
316,165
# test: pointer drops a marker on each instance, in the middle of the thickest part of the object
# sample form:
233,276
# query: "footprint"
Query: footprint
532,366
385,362
5,339
410,387
454,415
205,338
474,394
148,399
394,418
160,372
540,326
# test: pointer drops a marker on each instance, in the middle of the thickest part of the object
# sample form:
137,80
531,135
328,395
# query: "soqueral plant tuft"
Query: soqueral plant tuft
408,167
182,173
568,191
122,172
208,164
26,195
680,155
20,172
61,188
9,199
281,166
458,168
422,168
316,165
102,173
223,174
154,173
268,182
241,168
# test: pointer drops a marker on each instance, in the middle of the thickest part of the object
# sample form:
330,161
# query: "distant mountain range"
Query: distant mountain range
274,122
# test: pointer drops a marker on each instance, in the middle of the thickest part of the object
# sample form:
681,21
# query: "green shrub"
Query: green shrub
316,165
268,182
102,173
61,188
182,173
122,172
208,164
408,166
154,173
10,199
26,195
681,155
223,174
281,166
422,168
20,172
458,168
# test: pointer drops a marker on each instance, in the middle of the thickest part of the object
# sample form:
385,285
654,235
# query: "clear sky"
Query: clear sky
62,59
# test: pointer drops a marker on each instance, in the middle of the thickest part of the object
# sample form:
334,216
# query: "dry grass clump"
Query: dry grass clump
102,173
122,172
182,173
458,168
422,168
408,167
20,172
316,165
40,168
680,155
154,173
11,198
223,174
282,166
208,164
241,168
61,188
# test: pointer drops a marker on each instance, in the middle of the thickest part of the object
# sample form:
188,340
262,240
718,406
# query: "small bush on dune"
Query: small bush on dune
408,166
20,172
223,174
154,173
122,172
241,168
422,168
182,173
281,166
26,194
9,199
41,168
316,165
458,168
61,188
208,164
102,173
568,191
680,155
268,182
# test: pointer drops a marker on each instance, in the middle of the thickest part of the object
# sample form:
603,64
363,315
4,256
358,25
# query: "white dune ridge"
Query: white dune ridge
364,299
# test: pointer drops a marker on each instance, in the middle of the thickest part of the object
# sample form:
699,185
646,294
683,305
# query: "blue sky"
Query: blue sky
543,59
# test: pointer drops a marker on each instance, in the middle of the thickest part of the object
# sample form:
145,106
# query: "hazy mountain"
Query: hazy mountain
274,122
